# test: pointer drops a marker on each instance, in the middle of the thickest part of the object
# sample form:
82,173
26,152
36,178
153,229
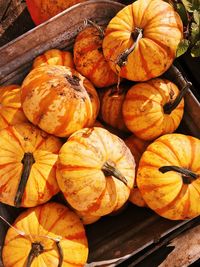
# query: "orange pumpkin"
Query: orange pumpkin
140,42
96,171
42,10
11,111
89,59
111,101
153,108
59,100
48,235
169,176
137,147
27,166
87,219
54,57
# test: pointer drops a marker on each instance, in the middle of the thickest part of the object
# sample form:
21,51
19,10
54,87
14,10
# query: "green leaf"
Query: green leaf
195,33
191,5
182,13
196,16
182,47
195,51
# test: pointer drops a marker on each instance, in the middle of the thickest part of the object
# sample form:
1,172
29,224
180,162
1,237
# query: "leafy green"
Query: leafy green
196,15
195,51
182,47
191,5
182,12
195,33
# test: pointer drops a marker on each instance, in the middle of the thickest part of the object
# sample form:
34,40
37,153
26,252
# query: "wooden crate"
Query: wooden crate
112,239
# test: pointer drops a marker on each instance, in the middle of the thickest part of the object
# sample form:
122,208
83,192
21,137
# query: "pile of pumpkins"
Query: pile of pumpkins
51,141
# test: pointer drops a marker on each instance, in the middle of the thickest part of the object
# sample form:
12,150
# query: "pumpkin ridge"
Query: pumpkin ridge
164,47
131,117
143,14
183,191
186,206
48,185
75,167
102,142
161,156
95,67
62,215
169,146
135,96
192,154
138,132
149,188
44,105
161,12
79,235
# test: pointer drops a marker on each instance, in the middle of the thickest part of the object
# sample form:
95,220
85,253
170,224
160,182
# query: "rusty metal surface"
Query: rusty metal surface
112,239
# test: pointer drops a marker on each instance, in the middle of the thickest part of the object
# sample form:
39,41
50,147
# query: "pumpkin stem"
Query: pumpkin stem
187,175
35,251
60,252
122,59
171,105
109,170
28,160
99,28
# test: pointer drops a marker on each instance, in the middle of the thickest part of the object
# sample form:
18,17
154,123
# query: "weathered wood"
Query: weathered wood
10,12
186,249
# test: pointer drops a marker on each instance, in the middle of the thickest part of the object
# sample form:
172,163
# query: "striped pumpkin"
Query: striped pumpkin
137,147
169,176
89,59
96,171
59,100
42,10
54,57
49,235
111,101
28,159
140,42
149,110
11,111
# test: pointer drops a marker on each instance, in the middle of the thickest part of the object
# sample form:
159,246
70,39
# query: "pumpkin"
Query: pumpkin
42,10
87,219
28,159
140,42
48,235
137,147
168,176
153,108
59,100
89,59
54,57
96,171
11,111
111,101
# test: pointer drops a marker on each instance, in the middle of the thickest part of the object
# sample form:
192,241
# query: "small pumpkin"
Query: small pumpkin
137,147
89,59
48,235
153,108
111,101
11,111
168,176
42,10
59,100
28,159
86,218
54,57
102,183
140,42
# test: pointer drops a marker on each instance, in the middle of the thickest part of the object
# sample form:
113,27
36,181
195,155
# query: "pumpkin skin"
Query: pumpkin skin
111,101
54,57
143,109
137,147
18,143
171,194
51,220
159,36
11,111
89,59
88,185
42,10
87,219
59,100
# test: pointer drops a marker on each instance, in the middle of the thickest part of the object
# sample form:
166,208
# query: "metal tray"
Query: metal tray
112,239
